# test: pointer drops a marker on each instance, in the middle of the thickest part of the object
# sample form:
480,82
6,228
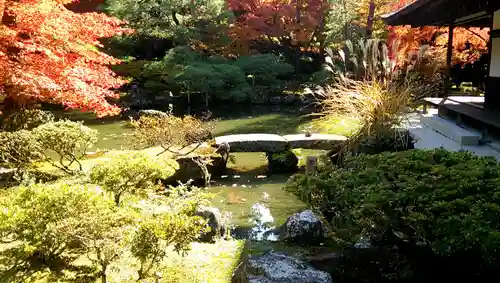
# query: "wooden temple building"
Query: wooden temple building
482,113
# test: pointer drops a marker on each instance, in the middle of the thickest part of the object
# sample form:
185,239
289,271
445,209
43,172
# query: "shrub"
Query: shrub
25,119
173,134
132,173
48,226
19,149
430,204
68,140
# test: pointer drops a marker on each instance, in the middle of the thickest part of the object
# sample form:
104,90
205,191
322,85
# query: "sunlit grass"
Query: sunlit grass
346,126
204,263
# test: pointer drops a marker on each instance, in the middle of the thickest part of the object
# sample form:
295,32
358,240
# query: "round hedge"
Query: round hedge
446,202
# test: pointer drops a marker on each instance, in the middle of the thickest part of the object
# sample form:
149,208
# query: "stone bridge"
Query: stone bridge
272,143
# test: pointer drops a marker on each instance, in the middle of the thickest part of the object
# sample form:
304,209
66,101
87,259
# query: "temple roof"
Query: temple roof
467,13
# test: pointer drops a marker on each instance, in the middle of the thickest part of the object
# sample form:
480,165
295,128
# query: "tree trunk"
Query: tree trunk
371,15
3,4
103,275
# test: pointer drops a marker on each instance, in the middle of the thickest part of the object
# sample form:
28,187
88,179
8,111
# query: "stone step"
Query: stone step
451,130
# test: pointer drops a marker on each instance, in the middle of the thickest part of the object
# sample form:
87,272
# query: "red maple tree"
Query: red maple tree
290,22
468,43
49,54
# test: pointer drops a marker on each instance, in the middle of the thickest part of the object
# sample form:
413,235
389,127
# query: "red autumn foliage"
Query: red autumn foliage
291,22
49,54
468,43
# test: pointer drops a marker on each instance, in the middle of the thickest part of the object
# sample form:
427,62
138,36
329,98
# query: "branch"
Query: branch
178,152
476,34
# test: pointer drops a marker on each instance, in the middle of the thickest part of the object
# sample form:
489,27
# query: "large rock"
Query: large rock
303,228
6,173
189,170
215,221
253,142
315,141
274,267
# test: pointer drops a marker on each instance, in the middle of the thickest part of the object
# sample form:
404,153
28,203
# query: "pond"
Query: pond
246,182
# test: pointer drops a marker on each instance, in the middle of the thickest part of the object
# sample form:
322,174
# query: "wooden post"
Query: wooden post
449,54
371,16
311,163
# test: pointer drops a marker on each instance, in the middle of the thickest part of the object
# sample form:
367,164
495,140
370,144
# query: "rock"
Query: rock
275,100
152,113
6,173
259,99
189,170
282,162
258,279
327,262
215,221
304,228
289,99
306,101
281,268
400,140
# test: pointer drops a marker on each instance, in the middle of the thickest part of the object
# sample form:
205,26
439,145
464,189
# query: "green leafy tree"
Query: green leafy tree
68,140
183,21
265,72
168,221
44,226
132,173
106,240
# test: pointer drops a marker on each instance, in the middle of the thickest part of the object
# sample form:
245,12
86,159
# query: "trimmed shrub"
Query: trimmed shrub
67,140
132,173
173,134
429,204
25,119
19,149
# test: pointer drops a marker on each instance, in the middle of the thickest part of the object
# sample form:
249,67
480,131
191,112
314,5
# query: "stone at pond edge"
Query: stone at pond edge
282,162
304,228
189,170
282,268
215,221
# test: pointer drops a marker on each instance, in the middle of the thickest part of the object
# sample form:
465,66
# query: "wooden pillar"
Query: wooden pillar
449,54
492,95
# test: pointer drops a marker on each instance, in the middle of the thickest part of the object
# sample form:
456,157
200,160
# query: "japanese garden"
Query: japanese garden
260,141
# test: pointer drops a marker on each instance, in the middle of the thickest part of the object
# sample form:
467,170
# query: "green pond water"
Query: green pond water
246,181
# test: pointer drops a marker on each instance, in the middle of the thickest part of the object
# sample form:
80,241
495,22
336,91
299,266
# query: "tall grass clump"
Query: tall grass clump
377,91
